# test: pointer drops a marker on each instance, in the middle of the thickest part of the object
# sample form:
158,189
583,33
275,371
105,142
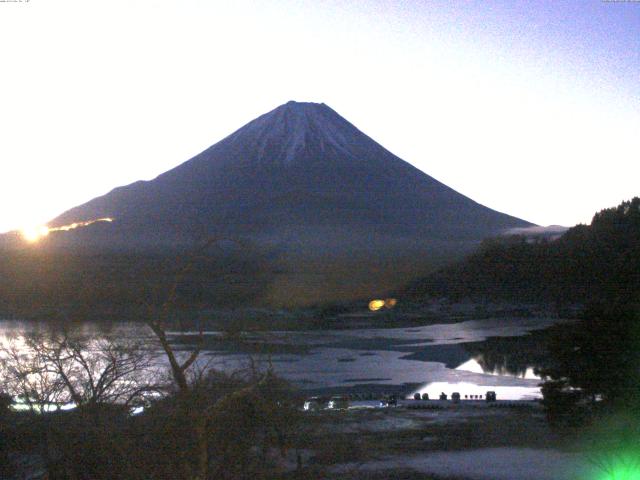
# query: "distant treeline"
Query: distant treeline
587,263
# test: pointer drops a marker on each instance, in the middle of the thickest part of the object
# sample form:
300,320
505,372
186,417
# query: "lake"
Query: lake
469,357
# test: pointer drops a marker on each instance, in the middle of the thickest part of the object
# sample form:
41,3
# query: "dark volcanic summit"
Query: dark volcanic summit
298,171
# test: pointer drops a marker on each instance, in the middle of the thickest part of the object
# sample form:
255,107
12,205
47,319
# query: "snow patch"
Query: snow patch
300,125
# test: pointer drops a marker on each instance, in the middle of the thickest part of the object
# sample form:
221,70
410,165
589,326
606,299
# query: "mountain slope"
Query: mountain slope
300,167
316,212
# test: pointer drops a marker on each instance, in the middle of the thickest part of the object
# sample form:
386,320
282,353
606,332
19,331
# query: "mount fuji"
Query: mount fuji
336,215
300,170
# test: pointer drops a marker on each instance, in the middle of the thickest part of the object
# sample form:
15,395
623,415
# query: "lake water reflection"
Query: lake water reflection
443,357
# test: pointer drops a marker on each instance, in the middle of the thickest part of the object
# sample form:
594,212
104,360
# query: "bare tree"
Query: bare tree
58,368
207,399
157,320
24,377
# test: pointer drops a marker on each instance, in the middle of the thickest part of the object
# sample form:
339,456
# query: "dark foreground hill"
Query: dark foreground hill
332,213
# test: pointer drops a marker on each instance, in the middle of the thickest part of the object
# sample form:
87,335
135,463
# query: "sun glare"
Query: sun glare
34,233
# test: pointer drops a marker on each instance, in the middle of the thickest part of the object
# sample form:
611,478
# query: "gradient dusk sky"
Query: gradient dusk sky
528,107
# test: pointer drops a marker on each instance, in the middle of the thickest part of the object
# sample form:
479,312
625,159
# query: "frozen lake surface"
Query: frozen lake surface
429,359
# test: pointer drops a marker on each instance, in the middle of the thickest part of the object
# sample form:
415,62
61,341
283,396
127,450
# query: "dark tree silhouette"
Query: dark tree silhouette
588,263
593,364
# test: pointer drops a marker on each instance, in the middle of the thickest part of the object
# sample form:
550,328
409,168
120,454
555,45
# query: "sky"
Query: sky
531,108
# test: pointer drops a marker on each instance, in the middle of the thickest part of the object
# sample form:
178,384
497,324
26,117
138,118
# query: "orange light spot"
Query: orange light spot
390,302
375,305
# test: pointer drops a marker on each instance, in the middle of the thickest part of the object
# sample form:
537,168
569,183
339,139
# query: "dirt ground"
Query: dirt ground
501,443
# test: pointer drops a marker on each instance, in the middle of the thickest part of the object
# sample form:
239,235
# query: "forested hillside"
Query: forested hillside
589,262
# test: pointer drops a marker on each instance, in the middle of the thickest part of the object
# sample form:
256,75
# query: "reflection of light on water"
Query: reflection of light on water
34,233
475,367
20,406
434,390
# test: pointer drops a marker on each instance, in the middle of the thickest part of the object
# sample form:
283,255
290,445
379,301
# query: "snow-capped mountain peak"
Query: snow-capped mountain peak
296,126
299,166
